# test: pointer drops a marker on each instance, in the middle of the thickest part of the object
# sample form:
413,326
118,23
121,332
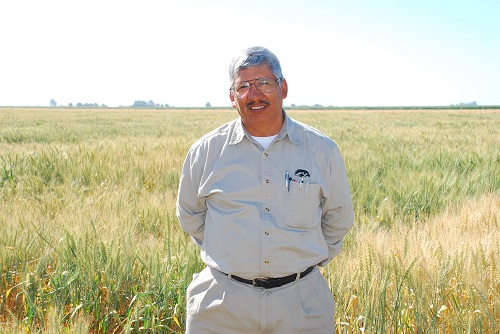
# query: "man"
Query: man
267,200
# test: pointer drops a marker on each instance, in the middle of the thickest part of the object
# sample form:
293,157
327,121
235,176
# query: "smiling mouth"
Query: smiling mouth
259,106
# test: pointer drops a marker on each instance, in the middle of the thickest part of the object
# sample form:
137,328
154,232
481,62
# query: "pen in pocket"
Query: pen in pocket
287,180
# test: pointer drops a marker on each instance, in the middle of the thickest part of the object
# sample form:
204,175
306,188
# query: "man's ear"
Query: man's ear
284,88
233,101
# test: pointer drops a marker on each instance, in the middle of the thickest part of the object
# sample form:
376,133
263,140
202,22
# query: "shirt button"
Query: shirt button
267,181
267,209
266,233
266,261
266,154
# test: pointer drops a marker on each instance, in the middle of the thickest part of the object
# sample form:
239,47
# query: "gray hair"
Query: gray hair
252,57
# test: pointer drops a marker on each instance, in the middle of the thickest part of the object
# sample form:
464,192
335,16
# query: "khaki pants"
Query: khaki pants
219,305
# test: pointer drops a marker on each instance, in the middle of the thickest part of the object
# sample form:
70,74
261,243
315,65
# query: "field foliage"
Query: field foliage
89,241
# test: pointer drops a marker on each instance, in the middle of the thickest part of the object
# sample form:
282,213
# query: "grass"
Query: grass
89,241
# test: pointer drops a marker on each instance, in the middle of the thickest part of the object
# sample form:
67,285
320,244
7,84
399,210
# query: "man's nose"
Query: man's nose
254,91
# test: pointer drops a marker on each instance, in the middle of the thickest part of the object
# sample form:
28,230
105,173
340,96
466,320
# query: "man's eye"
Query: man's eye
264,83
242,86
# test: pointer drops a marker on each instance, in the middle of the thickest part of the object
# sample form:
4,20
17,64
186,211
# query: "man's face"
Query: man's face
261,113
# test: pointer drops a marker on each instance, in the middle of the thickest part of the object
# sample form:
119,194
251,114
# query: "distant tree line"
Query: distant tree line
469,104
53,103
88,105
136,104
150,104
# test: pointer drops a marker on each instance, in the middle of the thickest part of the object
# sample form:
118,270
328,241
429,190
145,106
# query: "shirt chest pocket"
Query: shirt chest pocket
302,206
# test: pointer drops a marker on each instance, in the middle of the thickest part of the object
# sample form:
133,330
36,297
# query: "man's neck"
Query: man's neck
265,129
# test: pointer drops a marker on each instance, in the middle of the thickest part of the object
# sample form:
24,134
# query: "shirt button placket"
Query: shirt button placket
267,204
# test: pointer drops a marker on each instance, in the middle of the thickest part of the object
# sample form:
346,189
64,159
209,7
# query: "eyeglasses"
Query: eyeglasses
265,85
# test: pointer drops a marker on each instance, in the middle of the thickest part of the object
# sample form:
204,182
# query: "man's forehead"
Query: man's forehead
252,73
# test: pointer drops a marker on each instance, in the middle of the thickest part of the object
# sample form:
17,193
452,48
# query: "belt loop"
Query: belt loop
298,277
229,276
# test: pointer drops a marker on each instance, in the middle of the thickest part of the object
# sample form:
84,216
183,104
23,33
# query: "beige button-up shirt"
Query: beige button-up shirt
235,202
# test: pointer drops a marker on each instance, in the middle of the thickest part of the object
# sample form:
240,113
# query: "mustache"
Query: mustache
251,103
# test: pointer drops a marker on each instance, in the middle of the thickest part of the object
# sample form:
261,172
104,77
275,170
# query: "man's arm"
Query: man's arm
191,210
338,214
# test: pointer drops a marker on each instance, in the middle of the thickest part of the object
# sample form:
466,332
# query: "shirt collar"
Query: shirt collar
289,128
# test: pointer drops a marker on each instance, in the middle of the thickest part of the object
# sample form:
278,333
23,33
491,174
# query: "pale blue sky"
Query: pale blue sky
333,53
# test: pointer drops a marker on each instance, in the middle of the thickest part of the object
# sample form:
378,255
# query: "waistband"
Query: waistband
272,282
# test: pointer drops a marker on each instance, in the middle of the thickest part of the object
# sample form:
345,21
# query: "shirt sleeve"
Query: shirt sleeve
338,214
191,208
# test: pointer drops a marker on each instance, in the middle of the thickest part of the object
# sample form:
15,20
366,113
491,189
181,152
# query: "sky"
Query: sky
177,52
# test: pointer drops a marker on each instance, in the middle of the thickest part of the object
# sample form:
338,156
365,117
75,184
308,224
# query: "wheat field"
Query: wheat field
89,241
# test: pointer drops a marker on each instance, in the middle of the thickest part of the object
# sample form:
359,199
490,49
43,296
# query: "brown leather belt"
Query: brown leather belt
271,282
